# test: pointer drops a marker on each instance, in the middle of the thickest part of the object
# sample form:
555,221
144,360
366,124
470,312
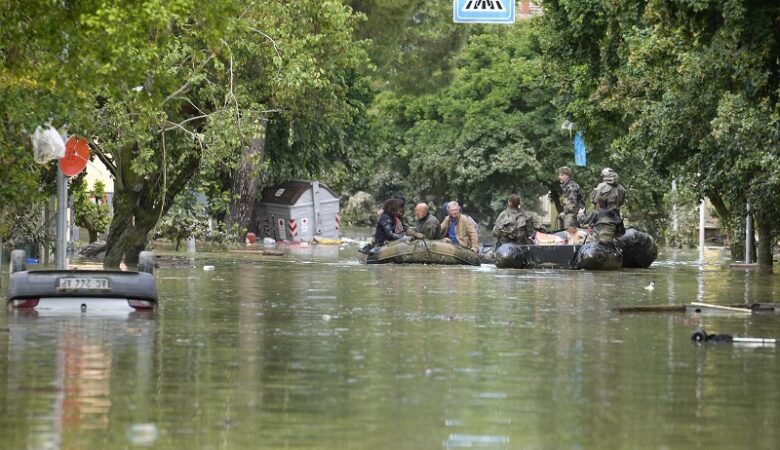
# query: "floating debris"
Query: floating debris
143,433
701,336
696,308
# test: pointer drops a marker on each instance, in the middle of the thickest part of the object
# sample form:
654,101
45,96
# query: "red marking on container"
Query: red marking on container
293,227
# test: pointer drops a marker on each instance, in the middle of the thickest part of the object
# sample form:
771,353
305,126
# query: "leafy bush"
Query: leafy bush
91,208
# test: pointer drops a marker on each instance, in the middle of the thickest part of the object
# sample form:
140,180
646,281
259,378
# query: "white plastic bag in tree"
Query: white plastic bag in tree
47,144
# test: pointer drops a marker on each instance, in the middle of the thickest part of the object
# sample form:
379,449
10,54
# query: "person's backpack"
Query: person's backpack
512,229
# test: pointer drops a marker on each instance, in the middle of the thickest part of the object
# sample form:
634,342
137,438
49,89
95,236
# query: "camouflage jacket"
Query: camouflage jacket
600,216
429,226
571,197
614,195
514,225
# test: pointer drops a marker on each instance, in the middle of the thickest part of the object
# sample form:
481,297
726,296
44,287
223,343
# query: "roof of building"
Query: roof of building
288,192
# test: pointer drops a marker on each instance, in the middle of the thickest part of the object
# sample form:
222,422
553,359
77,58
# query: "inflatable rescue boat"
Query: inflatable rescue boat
422,251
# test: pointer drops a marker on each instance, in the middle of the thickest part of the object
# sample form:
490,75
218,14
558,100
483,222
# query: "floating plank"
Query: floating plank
746,266
708,308
650,309
698,308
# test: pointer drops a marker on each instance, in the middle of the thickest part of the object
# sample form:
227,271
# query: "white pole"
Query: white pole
748,237
62,206
674,208
701,230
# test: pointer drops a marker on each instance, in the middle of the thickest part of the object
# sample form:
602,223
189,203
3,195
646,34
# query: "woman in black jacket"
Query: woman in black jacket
389,226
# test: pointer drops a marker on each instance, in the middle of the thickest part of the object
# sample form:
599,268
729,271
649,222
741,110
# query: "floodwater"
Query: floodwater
313,350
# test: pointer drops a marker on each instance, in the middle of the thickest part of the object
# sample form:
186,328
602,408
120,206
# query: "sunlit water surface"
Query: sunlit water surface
315,350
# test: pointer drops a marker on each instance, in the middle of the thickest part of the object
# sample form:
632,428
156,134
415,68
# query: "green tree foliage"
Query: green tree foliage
19,80
186,218
170,90
413,43
492,131
582,43
687,89
19,183
91,207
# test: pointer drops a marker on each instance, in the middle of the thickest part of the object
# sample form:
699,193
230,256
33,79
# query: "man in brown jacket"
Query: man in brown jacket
459,228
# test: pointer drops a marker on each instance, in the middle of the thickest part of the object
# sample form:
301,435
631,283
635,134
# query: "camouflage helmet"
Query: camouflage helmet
564,170
609,176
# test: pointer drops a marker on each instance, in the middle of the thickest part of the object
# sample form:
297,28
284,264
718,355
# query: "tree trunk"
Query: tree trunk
93,235
733,225
244,189
764,245
139,202
127,234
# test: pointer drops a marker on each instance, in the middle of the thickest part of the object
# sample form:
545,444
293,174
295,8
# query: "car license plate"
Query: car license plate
84,284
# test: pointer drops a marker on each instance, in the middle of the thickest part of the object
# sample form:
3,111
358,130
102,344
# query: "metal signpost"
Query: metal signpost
62,201
483,11
74,161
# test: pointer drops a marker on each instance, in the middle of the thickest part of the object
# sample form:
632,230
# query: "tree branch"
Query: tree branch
276,47
180,126
231,92
186,85
103,158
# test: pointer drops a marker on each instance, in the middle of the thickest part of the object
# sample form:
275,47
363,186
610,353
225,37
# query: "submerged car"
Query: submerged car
82,291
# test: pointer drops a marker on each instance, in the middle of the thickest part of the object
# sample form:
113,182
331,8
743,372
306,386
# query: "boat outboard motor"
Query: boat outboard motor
512,256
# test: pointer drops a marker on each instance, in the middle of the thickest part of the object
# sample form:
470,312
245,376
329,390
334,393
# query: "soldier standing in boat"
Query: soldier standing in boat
572,199
459,228
607,198
514,225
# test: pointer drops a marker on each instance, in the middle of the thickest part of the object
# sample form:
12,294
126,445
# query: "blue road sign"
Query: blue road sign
483,11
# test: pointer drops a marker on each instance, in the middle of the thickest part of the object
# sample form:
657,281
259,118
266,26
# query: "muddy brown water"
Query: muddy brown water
315,350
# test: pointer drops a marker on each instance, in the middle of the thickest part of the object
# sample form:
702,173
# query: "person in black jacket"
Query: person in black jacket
389,226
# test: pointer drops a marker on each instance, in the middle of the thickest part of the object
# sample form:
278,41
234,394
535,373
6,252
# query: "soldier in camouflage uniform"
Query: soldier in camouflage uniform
426,226
571,198
607,198
514,225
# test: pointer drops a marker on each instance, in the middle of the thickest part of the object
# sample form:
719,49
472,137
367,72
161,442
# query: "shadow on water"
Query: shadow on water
311,349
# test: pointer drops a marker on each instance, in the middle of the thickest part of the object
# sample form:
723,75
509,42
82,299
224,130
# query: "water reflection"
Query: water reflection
65,369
